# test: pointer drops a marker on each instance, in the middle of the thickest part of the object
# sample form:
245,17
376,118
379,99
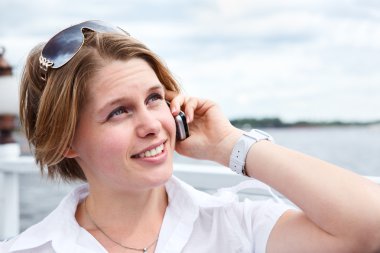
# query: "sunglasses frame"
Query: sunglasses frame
49,58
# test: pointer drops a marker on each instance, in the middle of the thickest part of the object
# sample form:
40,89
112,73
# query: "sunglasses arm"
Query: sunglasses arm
45,64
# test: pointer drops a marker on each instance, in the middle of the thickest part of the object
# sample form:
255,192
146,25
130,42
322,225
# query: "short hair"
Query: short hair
49,110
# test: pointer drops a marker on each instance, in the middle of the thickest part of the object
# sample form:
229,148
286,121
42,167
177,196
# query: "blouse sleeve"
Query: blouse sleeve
259,218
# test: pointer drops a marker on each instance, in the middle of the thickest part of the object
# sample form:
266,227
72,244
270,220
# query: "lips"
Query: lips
151,152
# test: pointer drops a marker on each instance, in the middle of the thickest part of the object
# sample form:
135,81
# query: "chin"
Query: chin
159,179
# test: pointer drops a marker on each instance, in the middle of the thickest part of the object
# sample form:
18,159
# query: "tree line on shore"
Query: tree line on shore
247,123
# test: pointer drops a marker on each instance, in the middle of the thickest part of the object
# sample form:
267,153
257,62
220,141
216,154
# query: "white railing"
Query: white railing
204,177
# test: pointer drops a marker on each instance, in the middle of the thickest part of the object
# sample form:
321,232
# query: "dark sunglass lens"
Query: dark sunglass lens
100,26
63,46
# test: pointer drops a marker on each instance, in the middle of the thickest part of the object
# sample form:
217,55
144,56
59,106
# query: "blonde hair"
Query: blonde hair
49,111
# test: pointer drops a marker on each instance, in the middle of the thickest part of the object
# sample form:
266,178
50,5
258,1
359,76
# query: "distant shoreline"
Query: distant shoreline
246,123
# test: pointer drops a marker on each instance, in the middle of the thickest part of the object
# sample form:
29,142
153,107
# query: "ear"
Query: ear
70,153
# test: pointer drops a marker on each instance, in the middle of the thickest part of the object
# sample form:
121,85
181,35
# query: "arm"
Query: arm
340,210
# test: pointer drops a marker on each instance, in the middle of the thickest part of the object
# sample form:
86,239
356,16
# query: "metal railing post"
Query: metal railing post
10,219
9,195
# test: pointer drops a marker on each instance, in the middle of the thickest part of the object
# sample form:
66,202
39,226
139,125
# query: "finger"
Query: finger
191,105
169,95
176,103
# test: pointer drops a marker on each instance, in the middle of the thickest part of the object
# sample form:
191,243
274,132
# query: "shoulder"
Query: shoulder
59,225
6,247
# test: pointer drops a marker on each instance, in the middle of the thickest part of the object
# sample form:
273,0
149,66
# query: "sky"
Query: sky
294,59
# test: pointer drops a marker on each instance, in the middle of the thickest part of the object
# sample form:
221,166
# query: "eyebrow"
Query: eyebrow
120,99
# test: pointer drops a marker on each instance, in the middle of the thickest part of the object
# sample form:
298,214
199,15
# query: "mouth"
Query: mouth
151,152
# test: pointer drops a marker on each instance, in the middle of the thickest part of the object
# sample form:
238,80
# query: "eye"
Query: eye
118,111
154,97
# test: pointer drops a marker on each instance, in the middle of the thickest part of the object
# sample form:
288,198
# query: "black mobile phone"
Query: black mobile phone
182,129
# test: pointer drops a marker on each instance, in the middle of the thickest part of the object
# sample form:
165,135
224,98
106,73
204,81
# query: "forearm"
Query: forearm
338,201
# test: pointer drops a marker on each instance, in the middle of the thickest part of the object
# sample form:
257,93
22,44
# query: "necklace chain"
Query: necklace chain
144,250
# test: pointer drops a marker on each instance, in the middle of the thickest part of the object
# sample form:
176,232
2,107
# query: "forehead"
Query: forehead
119,76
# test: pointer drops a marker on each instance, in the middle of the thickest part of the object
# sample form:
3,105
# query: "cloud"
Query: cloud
294,59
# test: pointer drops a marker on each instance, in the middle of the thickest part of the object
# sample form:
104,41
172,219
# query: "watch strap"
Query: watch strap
241,148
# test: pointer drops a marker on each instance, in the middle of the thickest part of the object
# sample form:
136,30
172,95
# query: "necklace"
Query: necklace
144,250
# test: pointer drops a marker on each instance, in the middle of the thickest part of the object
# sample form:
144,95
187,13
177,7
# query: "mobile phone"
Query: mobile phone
182,129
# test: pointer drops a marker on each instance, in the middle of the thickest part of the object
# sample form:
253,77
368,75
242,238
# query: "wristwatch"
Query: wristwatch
241,148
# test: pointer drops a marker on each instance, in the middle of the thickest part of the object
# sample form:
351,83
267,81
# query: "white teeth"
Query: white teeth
152,152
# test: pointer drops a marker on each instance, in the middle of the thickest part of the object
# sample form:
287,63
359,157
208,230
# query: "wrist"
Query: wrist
223,152
241,148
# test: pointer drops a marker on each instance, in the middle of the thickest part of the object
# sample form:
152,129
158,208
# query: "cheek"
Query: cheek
113,140
94,143
104,153
169,124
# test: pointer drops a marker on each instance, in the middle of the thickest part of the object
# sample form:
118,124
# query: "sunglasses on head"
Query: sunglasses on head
61,48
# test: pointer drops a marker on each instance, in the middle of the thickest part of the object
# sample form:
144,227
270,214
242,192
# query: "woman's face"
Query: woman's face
126,134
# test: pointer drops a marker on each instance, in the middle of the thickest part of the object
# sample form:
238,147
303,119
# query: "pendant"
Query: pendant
145,250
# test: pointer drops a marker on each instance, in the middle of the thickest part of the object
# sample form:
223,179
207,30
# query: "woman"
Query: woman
93,105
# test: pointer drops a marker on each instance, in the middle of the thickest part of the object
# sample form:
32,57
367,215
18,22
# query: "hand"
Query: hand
212,136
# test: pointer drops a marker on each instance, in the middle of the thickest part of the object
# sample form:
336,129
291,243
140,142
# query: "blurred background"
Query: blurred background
309,61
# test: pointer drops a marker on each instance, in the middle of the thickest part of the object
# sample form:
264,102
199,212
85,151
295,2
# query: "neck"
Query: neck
130,218
126,203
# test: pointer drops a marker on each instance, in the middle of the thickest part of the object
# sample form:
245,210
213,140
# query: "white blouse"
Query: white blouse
194,221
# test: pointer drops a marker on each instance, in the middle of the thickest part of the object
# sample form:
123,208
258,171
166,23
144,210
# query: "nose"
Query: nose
147,123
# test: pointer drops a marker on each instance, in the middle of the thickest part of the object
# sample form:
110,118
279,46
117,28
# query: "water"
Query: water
355,148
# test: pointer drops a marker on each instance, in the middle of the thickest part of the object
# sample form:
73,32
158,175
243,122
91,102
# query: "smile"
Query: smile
150,153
